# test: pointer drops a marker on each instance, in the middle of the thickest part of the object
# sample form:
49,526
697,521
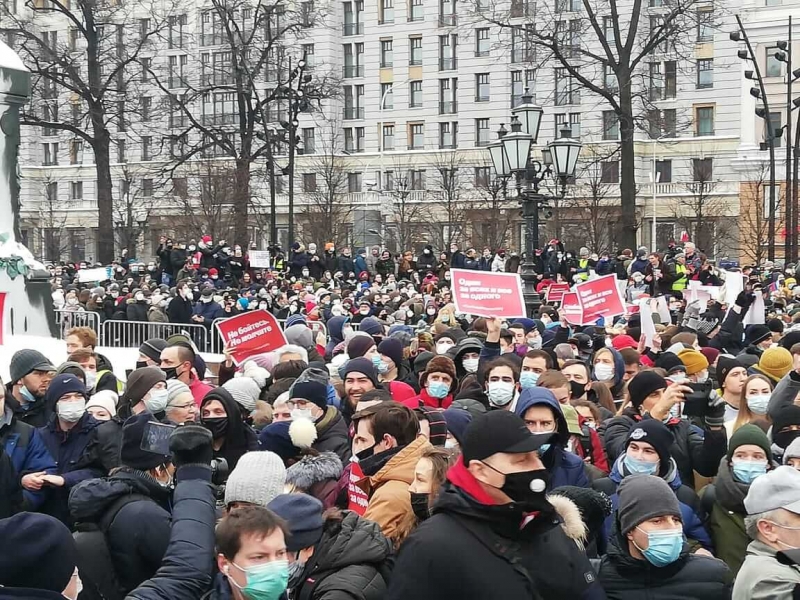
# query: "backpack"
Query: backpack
94,557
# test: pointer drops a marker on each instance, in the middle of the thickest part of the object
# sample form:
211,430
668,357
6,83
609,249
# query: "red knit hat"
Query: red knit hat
624,341
212,271
206,239
440,364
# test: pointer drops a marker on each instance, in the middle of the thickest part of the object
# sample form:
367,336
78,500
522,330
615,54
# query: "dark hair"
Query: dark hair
630,356
377,394
81,355
592,408
245,520
507,336
271,393
185,353
290,368
552,379
391,418
548,360
501,361
576,361
516,326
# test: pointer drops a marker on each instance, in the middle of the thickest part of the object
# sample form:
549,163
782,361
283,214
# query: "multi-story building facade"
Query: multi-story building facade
399,155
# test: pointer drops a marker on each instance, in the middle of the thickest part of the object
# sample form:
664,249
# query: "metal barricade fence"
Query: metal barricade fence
67,319
131,334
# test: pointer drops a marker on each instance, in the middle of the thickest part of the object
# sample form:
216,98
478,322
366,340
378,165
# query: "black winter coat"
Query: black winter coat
37,415
333,435
345,264
138,537
473,551
316,267
690,577
11,501
426,262
136,311
348,560
693,449
240,437
179,310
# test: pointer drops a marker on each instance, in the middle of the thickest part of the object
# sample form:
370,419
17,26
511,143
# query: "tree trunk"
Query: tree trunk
105,191
241,202
627,186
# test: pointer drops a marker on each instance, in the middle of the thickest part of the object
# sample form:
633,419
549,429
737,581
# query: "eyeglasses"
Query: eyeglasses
184,406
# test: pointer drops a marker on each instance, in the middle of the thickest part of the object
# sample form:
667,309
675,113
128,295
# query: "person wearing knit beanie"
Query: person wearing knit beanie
457,420
785,427
311,391
759,336
361,345
303,514
643,384
624,341
645,497
299,335
392,348
751,435
711,354
181,407
727,365
251,369
791,455
150,353
645,435
70,367
103,405
295,320
257,479
139,385
695,362
363,366
131,453
775,363
245,391
432,424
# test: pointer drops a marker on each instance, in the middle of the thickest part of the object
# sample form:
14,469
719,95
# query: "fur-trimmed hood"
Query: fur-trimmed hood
572,524
314,469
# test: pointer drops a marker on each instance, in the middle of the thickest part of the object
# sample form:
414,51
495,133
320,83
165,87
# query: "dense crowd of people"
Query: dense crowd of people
406,451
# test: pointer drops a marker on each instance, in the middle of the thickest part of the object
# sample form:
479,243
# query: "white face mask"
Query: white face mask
442,348
301,413
603,372
702,377
470,364
500,392
758,403
91,379
71,411
138,297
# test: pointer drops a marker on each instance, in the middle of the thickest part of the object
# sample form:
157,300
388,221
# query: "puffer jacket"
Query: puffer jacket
692,513
764,576
317,476
693,449
388,476
28,454
726,520
350,561
691,577
332,434
565,468
138,537
426,262
210,311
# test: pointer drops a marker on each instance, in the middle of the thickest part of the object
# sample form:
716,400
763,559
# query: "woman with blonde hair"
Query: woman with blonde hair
756,393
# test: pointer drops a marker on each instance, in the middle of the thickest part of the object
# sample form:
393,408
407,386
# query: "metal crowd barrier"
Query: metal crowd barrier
67,319
131,334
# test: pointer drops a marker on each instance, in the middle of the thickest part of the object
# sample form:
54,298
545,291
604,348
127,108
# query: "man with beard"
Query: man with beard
31,373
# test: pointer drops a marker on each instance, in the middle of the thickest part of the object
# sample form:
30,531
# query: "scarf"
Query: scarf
730,493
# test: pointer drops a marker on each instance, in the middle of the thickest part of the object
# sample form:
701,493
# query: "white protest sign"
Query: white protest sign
756,314
646,317
97,274
734,285
259,258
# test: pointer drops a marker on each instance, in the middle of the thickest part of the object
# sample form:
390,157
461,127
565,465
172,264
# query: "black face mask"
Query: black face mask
576,390
218,426
170,372
365,453
419,504
141,364
784,438
526,488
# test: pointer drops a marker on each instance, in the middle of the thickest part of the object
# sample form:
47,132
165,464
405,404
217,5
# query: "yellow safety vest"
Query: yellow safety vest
583,269
680,282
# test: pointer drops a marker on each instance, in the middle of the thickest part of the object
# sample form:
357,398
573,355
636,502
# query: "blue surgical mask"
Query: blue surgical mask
758,403
28,397
500,392
746,471
438,389
639,466
264,582
663,547
528,379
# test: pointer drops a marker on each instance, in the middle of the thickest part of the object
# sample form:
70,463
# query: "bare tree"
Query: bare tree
205,195
326,212
492,213
86,84
132,210
614,50
249,83
52,218
754,213
405,209
446,218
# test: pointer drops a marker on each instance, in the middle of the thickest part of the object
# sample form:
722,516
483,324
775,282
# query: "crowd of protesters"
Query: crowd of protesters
407,451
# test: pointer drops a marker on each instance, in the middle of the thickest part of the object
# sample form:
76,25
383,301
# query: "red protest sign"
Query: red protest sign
486,294
251,333
600,298
357,498
572,308
556,292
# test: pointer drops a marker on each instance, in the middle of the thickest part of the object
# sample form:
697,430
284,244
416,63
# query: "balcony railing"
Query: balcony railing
353,29
448,20
353,112
448,107
447,64
350,71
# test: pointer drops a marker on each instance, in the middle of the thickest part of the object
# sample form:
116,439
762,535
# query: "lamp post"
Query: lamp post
511,156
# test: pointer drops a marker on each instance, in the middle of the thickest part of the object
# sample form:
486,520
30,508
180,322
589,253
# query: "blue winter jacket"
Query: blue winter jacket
209,311
692,517
565,468
28,453
361,264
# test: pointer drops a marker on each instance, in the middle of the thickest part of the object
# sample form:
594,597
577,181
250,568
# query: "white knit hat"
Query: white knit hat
258,477
244,390
105,399
260,375
175,388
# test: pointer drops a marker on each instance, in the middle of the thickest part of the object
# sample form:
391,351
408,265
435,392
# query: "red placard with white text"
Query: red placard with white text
556,292
357,498
251,333
486,294
572,308
600,298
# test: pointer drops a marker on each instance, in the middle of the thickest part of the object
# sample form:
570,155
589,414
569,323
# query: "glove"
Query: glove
191,444
744,300
715,416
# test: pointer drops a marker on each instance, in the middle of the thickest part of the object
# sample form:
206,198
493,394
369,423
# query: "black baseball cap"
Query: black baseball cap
499,431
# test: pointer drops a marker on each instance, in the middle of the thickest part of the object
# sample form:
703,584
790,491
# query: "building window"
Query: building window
387,95
609,172
309,182
349,143
308,54
146,64
415,94
610,125
388,181
447,13
523,47
447,52
416,179
76,152
388,137
669,122
663,171
705,73
702,169
482,132
417,12
571,122
76,190
703,121
146,104
146,143
482,92
354,182
774,125
51,192
482,177
147,188
519,84
774,66
386,12
566,88
482,45
176,33
448,103
50,154
447,135
705,25
121,157
308,140
416,136
352,18
387,53
415,51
